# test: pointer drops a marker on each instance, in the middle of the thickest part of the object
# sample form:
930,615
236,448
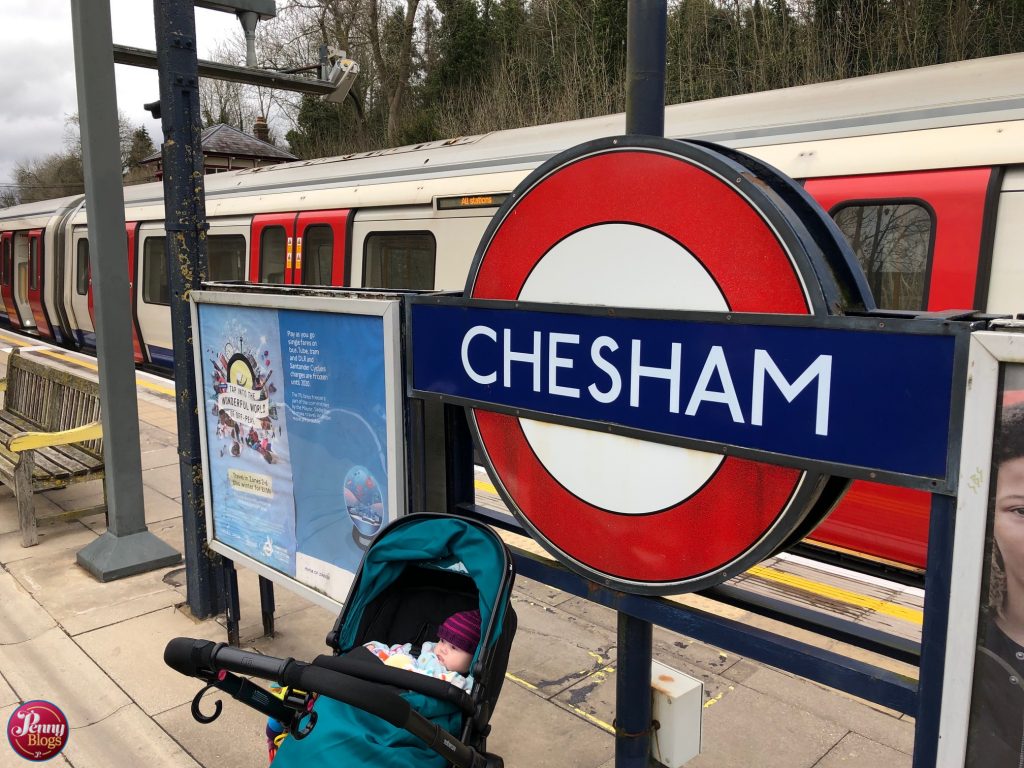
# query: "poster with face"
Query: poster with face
995,735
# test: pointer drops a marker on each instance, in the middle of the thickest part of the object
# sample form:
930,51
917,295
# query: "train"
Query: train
922,170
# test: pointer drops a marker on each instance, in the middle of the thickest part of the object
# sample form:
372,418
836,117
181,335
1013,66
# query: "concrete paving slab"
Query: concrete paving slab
746,727
299,635
540,592
79,602
852,714
132,653
528,733
78,496
7,696
126,739
56,539
855,751
153,438
165,456
53,667
9,510
158,508
166,480
236,739
249,613
21,617
553,649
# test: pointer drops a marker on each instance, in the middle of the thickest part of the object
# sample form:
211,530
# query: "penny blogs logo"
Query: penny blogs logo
37,730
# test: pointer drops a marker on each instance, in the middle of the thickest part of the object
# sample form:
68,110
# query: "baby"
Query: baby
448,659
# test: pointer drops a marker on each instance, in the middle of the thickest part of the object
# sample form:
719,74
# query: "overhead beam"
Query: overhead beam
139,57
266,9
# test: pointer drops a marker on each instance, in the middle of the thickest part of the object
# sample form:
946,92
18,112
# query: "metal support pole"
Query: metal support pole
185,212
231,614
267,605
127,547
633,693
645,114
937,586
645,67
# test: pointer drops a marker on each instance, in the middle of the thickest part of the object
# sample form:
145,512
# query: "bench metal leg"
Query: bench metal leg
26,504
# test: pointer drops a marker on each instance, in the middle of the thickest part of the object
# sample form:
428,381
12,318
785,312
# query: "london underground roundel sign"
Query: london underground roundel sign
651,223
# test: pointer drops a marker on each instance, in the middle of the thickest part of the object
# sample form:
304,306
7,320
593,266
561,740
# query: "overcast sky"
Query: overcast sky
37,71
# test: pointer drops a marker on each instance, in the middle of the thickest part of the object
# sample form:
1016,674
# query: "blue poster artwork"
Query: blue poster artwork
337,429
296,424
247,435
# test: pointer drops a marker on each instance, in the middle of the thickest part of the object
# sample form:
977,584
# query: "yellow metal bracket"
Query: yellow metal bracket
26,441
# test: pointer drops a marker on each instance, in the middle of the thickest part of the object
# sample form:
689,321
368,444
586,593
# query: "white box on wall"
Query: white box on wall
677,703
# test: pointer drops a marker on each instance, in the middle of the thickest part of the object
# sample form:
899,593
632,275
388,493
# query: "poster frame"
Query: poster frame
989,352
388,308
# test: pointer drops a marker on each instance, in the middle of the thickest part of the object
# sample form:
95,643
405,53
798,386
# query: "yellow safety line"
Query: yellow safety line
901,612
585,715
20,342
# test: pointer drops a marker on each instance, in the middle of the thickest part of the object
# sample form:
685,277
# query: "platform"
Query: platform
96,650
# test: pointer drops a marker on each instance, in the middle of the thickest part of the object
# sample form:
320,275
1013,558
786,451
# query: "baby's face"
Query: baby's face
454,659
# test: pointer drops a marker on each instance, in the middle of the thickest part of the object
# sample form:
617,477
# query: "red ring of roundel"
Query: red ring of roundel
668,193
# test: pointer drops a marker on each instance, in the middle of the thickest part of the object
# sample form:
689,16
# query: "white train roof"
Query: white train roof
949,115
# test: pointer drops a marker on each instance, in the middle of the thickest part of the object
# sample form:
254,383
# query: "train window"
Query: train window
892,240
317,255
33,264
400,260
226,254
272,245
82,268
155,286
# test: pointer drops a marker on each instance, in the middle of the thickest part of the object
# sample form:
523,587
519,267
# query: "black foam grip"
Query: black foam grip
189,656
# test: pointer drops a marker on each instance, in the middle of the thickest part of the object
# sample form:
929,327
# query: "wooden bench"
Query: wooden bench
50,436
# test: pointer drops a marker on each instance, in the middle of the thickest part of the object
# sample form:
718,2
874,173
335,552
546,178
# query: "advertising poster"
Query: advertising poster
296,423
995,735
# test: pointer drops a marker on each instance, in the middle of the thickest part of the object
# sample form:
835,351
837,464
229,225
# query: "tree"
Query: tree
61,174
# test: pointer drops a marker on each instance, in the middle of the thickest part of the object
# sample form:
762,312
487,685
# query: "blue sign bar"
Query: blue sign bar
864,398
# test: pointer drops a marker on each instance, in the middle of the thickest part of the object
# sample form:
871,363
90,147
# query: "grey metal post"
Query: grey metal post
127,547
646,25
185,223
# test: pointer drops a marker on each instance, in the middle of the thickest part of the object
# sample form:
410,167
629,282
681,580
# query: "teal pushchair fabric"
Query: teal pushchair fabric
346,735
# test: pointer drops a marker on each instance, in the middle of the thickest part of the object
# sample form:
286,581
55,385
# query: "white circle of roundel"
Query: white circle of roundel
621,265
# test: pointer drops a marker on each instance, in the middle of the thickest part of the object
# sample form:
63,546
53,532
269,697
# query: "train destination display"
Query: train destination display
635,408
302,469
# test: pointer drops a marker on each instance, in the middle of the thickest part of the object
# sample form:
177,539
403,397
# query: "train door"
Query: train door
308,248
131,229
36,289
19,286
272,247
924,240
81,289
321,242
10,314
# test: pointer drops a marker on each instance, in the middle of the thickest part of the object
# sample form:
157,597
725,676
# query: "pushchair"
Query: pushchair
342,709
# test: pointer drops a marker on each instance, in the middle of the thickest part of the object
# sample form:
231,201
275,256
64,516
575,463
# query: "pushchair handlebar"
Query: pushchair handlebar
205,659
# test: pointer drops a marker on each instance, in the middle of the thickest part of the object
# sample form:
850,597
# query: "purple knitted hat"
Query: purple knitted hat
462,630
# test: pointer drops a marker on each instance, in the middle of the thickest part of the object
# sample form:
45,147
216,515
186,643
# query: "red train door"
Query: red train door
321,248
36,288
272,248
924,241
131,229
7,278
